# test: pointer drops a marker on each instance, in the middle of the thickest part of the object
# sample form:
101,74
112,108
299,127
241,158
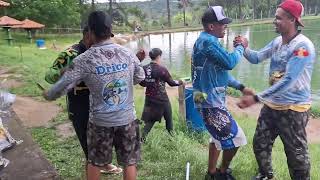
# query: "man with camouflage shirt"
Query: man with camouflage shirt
109,71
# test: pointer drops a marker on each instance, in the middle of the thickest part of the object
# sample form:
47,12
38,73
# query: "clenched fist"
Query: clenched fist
240,40
141,55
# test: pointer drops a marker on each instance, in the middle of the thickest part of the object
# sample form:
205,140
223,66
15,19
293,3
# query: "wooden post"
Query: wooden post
182,103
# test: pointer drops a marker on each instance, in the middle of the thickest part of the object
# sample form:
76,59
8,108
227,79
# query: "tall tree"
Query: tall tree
81,12
240,10
183,5
269,8
306,8
93,7
254,8
168,10
52,13
110,10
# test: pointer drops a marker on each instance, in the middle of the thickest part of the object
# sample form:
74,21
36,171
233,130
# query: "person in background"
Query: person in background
77,98
157,103
287,101
109,71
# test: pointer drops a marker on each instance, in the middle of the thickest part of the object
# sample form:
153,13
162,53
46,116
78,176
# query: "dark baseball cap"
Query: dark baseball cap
215,14
99,20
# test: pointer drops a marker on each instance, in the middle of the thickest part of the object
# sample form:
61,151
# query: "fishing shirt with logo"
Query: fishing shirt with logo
110,71
210,65
156,78
290,72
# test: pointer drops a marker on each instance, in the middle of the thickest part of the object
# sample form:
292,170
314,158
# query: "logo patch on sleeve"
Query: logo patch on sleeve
301,52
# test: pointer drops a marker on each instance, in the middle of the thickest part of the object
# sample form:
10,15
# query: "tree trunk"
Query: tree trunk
169,17
82,18
240,10
269,10
110,8
93,7
306,8
184,15
254,9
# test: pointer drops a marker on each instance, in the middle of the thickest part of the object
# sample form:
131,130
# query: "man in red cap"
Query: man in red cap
288,99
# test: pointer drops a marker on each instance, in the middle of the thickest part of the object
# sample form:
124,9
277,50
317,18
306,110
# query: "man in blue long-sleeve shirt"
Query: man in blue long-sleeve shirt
210,78
288,99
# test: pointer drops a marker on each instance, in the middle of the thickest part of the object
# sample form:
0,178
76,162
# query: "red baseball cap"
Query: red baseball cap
295,8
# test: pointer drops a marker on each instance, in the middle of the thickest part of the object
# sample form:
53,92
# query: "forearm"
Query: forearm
172,82
232,82
230,60
58,89
251,56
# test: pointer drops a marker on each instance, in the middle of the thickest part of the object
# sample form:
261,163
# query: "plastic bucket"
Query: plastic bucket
194,120
40,43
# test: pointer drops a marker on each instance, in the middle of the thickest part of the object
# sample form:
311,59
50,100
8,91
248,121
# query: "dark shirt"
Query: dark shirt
81,48
156,78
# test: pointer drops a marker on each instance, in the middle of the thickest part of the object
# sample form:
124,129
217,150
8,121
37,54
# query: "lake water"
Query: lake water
177,49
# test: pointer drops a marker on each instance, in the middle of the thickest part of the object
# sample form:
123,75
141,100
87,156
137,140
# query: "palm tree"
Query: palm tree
182,5
240,10
169,17
92,5
110,7
269,8
254,9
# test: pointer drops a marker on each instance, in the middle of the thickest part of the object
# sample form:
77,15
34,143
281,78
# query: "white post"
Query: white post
188,171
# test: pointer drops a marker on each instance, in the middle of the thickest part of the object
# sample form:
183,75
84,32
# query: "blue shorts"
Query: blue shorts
225,131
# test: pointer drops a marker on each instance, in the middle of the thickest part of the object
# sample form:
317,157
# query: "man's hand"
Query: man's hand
62,70
246,101
239,40
141,55
248,92
181,82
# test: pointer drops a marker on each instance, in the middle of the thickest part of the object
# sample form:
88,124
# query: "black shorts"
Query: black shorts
154,110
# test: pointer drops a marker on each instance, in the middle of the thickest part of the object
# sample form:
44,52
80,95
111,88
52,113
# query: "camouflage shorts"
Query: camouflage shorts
125,139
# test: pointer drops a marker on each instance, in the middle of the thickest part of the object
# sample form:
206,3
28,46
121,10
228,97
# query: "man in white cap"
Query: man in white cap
288,99
210,77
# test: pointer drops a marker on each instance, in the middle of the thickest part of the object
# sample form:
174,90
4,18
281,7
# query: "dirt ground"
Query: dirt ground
34,113
31,112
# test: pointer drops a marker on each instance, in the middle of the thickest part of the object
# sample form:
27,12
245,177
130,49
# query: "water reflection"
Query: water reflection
177,49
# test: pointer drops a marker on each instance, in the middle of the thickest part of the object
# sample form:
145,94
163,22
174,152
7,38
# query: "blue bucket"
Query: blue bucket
40,43
194,119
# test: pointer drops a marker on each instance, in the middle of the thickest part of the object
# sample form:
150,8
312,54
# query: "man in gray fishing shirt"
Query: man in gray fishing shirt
109,71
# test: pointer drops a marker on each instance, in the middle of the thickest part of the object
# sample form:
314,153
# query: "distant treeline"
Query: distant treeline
73,13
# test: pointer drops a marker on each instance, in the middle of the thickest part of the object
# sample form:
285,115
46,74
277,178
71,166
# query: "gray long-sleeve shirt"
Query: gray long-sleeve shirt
110,71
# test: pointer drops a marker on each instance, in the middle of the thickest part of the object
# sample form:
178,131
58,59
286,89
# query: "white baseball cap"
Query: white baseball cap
215,14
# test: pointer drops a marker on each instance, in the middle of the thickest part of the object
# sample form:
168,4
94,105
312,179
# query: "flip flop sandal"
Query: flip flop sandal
113,170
